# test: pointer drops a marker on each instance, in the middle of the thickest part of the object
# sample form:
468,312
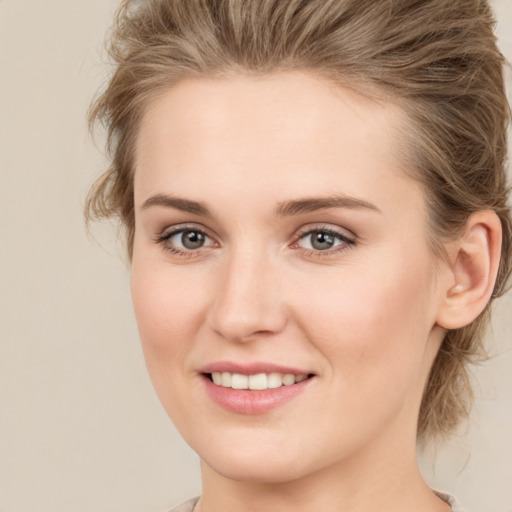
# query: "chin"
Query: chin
263,469
264,457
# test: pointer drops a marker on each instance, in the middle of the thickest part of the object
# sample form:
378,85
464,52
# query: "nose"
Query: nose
248,300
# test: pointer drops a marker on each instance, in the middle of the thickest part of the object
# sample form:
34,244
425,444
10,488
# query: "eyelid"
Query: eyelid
348,240
171,231
342,233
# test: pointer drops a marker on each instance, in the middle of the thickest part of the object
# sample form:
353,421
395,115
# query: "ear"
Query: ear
471,273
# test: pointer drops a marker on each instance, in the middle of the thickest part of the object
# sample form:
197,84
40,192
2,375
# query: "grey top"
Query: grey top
189,505
454,504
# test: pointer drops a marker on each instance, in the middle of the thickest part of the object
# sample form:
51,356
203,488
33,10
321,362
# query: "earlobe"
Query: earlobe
472,271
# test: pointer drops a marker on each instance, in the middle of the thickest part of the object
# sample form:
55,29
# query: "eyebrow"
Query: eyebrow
311,204
185,205
284,209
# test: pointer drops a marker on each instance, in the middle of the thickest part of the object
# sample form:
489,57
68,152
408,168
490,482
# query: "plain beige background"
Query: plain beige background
80,427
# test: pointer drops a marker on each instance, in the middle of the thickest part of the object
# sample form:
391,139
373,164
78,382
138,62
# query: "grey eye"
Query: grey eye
191,239
321,240
186,241
324,239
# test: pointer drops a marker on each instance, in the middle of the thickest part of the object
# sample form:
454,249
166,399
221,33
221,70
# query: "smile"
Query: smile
255,388
258,381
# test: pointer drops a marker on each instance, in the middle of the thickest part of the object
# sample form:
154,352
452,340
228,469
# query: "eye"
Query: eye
323,240
185,240
189,239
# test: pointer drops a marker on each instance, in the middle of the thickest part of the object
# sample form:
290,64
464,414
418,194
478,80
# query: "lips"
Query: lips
255,388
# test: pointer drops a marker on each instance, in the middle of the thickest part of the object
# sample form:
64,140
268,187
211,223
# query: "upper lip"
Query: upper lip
251,368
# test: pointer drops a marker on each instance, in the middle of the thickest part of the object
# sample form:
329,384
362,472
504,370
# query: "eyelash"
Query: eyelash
347,242
164,238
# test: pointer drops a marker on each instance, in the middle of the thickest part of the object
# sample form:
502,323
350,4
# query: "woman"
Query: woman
316,212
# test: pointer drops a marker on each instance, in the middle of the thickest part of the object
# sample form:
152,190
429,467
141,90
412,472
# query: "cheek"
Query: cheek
168,310
372,322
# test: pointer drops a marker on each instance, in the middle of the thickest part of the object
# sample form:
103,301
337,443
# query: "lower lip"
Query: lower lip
245,401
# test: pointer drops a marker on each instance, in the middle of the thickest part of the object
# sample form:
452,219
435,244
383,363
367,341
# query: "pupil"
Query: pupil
192,239
322,241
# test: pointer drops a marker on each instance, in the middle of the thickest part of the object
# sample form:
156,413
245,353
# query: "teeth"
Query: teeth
259,381
225,379
239,381
275,380
289,379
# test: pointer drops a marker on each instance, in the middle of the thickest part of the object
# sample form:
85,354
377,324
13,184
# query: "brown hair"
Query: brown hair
437,59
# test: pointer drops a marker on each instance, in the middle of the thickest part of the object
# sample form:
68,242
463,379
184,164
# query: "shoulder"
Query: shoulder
188,506
454,504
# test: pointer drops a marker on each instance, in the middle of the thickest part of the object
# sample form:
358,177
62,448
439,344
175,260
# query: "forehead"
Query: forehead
290,132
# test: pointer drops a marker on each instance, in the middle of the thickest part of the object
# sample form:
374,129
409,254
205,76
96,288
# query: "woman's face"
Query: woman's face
276,234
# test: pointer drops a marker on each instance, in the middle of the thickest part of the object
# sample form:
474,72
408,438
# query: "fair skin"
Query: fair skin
276,227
